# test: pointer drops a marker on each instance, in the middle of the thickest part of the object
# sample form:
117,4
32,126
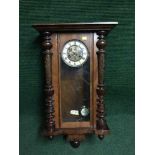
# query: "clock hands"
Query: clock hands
74,53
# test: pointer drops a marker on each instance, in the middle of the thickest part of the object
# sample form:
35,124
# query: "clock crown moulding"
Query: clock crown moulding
73,59
87,27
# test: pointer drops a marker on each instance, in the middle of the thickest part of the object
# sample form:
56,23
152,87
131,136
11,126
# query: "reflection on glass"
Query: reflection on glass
75,92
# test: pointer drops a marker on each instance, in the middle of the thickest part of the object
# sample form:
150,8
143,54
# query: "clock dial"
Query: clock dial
74,53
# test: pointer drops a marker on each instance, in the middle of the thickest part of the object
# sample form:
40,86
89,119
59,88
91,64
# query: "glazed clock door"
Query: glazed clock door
75,57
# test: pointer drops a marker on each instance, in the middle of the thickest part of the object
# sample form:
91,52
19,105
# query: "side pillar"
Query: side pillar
48,87
101,125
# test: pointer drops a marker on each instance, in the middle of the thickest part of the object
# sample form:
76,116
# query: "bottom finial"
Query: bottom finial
75,143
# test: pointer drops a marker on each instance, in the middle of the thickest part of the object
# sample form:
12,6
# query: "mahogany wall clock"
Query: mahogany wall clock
74,71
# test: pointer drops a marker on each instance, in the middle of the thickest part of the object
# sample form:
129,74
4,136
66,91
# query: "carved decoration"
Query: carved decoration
75,140
101,124
48,88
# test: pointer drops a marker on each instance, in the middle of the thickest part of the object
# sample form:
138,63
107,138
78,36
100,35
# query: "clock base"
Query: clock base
75,136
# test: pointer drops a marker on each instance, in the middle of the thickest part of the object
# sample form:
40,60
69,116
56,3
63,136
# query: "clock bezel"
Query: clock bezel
87,51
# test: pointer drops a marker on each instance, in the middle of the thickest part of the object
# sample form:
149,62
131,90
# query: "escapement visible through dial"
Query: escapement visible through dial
74,53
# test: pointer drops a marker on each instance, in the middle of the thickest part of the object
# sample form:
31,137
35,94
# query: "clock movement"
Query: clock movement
74,79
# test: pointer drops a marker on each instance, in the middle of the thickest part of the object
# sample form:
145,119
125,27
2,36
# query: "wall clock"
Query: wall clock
74,71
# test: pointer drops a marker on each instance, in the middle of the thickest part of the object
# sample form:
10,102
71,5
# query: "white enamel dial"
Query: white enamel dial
74,53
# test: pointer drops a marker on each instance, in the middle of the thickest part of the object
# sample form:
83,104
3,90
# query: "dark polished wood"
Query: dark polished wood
54,37
101,122
78,27
49,91
70,131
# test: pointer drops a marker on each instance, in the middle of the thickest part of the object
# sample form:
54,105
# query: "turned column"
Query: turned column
48,87
101,124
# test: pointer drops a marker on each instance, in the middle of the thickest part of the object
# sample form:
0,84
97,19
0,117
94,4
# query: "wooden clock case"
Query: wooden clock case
54,36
